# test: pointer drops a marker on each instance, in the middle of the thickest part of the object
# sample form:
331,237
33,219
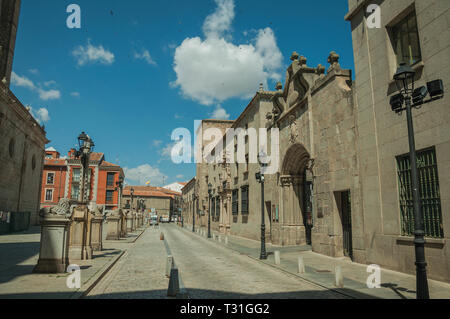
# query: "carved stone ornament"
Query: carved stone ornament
64,208
293,129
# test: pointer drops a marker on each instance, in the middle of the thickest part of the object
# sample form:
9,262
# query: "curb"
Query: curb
91,283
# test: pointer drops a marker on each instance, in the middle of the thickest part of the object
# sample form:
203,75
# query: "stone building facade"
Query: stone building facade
189,202
383,135
158,199
22,138
343,179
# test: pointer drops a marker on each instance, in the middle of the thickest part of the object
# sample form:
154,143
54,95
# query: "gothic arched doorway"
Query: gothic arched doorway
296,190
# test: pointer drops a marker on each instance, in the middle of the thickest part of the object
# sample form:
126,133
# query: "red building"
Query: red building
61,179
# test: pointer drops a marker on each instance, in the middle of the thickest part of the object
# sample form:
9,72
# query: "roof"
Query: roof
50,149
150,191
55,162
97,157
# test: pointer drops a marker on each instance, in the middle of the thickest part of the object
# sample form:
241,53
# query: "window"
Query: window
76,173
49,195
110,179
429,194
244,200
235,203
75,192
109,197
50,178
405,40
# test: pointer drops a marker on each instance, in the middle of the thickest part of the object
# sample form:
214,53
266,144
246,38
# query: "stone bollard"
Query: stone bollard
277,257
161,236
301,265
174,285
54,251
339,278
226,240
169,265
219,238
97,232
114,228
80,234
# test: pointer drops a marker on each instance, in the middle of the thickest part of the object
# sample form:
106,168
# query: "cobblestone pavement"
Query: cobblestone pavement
211,271
139,274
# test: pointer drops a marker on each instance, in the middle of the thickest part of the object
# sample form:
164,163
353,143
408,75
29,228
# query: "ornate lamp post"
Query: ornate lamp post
132,195
86,145
209,209
260,178
404,78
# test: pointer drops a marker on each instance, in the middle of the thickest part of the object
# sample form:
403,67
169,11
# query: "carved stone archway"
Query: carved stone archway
292,221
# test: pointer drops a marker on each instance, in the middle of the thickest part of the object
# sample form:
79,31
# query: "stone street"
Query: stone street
207,270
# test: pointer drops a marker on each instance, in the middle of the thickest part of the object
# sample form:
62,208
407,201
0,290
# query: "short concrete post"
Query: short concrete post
174,286
277,257
301,265
226,240
339,277
169,265
219,238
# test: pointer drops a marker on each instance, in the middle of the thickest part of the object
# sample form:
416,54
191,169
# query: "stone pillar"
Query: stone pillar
97,232
79,244
123,224
114,223
129,219
54,250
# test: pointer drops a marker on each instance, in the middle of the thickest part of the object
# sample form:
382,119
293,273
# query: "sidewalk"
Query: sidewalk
19,254
320,269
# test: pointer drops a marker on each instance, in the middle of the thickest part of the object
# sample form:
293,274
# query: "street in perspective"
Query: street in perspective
216,152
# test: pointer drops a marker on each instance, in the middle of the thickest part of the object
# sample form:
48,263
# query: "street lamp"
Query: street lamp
209,209
404,79
86,145
260,178
132,194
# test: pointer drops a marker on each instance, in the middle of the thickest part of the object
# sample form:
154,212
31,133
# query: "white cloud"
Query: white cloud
180,176
49,83
49,95
157,143
22,81
219,22
144,173
214,69
34,71
145,55
220,114
41,115
92,54
75,94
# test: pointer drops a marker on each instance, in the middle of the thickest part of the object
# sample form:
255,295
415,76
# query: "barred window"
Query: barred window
429,193
235,203
244,200
405,40
110,179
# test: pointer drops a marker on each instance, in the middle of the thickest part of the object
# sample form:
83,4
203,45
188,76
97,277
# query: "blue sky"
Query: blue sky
136,69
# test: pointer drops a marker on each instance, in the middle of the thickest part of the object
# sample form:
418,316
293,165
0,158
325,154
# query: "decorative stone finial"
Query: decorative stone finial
302,60
320,69
333,58
294,56
279,86
261,87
